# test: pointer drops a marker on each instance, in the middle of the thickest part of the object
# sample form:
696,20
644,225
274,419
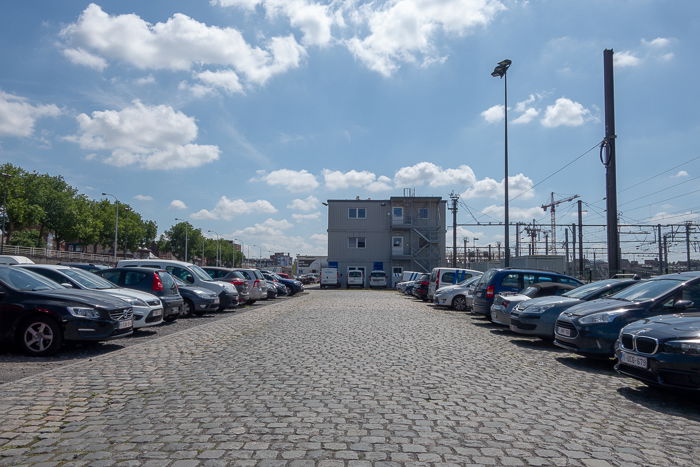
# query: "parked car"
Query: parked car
292,286
591,328
536,317
87,266
239,281
377,280
196,300
662,351
355,279
147,309
257,289
39,315
281,288
154,281
329,278
271,289
504,302
192,274
440,277
420,289
458,296
495,281
14,259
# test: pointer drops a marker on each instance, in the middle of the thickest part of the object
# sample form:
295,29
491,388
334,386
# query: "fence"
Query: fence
46,255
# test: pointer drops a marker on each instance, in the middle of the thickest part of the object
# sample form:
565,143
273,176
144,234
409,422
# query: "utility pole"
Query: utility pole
573,248
580,237
517,239
454,197
546,243
608,147
687,243
532,233
566,247
465,252
661,252
552,209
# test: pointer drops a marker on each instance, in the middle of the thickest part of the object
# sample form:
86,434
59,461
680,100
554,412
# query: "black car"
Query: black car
420,289
86,266
38,315
591,328
154,281
662,351
197,300
281,288
293,286
233,277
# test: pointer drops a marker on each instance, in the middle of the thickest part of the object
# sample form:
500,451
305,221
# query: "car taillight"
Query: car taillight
256,283
157,285
490,291
424,283
238,282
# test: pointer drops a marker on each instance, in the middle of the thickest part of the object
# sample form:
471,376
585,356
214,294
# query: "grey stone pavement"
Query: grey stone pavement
343,378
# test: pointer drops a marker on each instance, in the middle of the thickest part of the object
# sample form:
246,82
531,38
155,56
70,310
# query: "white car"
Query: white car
148,309
458,296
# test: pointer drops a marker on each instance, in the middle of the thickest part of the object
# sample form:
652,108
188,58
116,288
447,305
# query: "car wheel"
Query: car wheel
170,318
39,336
459,303
250,302
290,291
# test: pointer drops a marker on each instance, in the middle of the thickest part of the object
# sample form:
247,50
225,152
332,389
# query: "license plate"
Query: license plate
566,332
157,312
216,301
176,309
633,360
125,324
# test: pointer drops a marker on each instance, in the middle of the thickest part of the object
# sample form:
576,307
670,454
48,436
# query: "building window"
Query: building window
398,212
423,213
397,270
356,242
357,213
397,242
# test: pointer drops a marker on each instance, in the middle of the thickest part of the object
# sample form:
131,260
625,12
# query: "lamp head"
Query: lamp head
501,68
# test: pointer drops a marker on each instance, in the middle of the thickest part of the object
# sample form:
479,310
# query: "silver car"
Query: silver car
458,296
504,303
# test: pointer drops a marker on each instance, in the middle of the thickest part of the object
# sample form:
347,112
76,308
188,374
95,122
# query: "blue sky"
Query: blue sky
244,115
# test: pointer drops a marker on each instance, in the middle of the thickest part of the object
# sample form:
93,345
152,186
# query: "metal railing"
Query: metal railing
46,254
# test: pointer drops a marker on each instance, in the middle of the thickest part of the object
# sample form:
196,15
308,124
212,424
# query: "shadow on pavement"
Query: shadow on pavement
668,401
538,344
591,365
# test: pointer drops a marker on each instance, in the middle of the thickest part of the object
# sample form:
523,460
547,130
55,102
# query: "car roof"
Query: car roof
45,266
134,268
687,275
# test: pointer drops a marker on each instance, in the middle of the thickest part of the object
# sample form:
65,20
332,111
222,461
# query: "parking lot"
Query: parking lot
338,377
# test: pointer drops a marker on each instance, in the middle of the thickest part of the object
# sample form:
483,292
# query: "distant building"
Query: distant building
402,233
310,264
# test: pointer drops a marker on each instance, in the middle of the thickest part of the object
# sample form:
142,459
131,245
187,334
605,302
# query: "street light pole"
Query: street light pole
476,252
187,228
218,246
116,223
501,72
4,211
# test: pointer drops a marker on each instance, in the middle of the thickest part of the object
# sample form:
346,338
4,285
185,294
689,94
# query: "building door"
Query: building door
397,246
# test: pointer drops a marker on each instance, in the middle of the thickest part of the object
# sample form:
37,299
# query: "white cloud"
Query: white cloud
518,185
658,43
268,227
337,180
674,217
157,138
150,79
494,114
272,235
322,238
18,117
227,209
306,217
681,173
565,112
181,43
404,31
626,58
514,213
527,116
143,197
226,80
83,57
177,204
295,181
427,173
307,204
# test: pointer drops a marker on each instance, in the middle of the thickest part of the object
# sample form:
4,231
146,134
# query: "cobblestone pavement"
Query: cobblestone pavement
343,378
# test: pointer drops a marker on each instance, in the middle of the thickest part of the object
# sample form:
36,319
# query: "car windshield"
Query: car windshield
647,290
470,281
200,273
88,279
589,289
23,280
530,291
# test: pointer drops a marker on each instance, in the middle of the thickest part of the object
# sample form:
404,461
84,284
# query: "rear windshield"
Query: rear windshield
88,279
486,278
355,273
588,289
647,290
200,273
377,274
166,279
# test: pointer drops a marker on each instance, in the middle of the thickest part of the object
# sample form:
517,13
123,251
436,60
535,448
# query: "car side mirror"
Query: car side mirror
682,305
190,280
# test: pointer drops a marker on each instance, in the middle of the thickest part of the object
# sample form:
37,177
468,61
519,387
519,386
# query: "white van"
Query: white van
440,277
10,259
329,278
191,274
356,278
377,279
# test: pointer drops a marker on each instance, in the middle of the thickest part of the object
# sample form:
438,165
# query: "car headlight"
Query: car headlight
83,312
135,302
601,318
200,292
535,308
687,347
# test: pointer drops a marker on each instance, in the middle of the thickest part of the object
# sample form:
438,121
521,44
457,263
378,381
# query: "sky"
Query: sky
243,116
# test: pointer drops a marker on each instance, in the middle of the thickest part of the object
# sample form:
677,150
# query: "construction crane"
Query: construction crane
552,209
